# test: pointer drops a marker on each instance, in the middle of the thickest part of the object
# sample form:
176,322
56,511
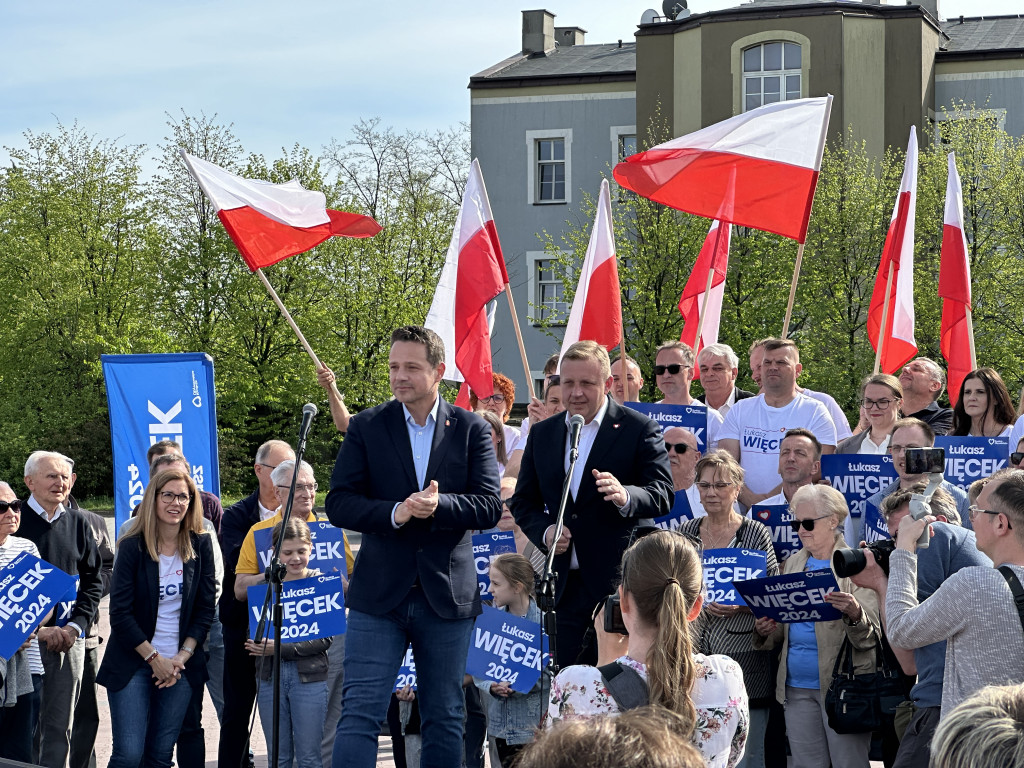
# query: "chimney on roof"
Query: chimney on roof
538,32
566,36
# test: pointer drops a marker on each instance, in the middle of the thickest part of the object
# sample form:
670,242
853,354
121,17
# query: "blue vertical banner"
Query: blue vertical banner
153,398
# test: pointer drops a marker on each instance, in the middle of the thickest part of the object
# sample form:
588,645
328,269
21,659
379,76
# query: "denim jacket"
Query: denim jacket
516,718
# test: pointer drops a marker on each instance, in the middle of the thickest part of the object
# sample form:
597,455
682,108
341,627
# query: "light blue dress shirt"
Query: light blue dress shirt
421,438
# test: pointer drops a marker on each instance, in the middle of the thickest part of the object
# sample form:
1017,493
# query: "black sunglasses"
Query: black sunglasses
661,370
807,524
679,448
12,505
1017,457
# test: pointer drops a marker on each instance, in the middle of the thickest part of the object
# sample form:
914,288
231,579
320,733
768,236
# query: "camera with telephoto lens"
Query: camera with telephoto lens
919,461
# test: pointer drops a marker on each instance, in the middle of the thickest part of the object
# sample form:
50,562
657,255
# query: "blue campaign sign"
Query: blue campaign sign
972,458
793,596
875,527
486,547
327,554
407,672
506,648
777,518
313,607
857,476
153,398
28,587
681,513
724,567
65,607
691,417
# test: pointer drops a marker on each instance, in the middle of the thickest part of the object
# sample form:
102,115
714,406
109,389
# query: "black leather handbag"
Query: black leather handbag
862,703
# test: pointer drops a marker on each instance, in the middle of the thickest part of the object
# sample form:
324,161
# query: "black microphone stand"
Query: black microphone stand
275,576
549,579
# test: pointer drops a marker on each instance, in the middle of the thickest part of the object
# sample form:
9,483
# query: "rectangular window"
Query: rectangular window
545,293
549,175
627,146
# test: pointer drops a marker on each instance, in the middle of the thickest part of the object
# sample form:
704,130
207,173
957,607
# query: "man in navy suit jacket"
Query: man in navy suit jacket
415,476
622,480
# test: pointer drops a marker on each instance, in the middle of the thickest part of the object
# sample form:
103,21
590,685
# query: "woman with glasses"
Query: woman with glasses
500,403
161,607
984,408
881,398
810,649
726,629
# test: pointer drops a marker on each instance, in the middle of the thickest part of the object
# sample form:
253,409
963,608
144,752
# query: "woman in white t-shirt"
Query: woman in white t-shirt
161,607
660,595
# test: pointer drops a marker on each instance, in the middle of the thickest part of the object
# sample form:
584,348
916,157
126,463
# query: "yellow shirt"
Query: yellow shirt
247,563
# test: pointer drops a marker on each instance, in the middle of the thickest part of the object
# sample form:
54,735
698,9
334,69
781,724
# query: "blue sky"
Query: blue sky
303,71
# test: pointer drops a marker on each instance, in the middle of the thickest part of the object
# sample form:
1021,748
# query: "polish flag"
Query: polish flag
774,150
897,338
957,340
473,275
713,257
596,313
270,222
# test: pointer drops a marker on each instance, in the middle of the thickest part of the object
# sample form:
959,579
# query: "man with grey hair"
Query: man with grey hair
923,381
65,540
719,366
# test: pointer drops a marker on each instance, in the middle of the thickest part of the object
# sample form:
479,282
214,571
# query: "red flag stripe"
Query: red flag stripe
601,323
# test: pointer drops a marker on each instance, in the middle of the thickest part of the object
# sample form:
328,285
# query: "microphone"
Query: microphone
575,425
308,412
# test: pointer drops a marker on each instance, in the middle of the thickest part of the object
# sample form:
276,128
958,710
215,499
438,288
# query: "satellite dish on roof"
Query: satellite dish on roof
673,9
649,16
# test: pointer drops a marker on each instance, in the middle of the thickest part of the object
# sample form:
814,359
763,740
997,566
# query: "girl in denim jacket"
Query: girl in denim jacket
512,718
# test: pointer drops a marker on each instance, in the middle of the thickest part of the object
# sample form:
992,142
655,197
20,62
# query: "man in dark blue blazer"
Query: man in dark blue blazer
415,476
622,480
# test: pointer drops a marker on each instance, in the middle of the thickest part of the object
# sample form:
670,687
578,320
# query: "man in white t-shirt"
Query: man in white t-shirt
799,463
673,372
754,428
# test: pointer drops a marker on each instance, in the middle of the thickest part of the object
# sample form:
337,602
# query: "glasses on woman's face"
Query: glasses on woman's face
174,498
717,486
808,525
881,405
496,399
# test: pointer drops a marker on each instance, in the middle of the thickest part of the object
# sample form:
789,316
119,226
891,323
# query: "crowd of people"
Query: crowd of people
648,670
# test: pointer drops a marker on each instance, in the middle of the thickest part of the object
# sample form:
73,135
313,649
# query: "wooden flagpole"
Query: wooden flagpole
288,317
885,319
800,249
519,338
970,336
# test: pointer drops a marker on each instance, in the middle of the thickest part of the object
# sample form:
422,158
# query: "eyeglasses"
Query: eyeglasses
881,405
271,467
14,506
679,448
302,487
1016,457
808,525
716,486
894,449
974,510
175,498
661,370
497,399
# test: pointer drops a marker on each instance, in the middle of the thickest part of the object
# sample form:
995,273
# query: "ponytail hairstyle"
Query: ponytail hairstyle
516,569
663,575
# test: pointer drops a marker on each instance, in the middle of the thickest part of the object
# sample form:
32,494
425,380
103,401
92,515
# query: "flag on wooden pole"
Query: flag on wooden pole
957,339
709,269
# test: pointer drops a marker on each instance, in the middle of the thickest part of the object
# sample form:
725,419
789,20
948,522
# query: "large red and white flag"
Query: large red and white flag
270,222
596,313
957,339
472,276
774,151
897,337
713,258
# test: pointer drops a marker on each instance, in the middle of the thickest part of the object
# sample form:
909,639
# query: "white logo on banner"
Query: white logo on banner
164,428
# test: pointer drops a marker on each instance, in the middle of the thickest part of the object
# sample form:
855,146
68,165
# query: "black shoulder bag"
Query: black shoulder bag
861,703
625,685
1016,588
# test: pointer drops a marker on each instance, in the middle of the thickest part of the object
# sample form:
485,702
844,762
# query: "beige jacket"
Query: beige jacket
830,634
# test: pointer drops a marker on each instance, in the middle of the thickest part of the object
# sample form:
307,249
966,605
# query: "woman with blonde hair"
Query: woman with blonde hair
881,398
659,596
810,649
161,607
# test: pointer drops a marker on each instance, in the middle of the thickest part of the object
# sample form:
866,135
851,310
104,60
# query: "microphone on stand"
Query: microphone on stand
575,425
308,412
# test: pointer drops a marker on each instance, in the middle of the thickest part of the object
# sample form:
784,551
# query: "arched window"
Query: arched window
771,73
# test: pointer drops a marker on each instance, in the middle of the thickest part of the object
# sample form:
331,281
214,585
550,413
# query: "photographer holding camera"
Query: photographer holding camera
951,549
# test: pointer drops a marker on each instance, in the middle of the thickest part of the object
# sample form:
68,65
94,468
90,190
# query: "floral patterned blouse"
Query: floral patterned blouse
718,694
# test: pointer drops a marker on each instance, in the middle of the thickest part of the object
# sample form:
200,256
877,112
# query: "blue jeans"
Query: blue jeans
215,665
146,720
374,646
303,706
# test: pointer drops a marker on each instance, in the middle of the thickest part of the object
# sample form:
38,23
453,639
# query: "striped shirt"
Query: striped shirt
9,550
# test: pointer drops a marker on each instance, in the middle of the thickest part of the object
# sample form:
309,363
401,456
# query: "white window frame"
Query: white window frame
532,189
767,36
533,288
617,132
763,73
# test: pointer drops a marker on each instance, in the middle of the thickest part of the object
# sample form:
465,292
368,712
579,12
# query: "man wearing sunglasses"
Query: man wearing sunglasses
1017,445
682,459
673,373
974,609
